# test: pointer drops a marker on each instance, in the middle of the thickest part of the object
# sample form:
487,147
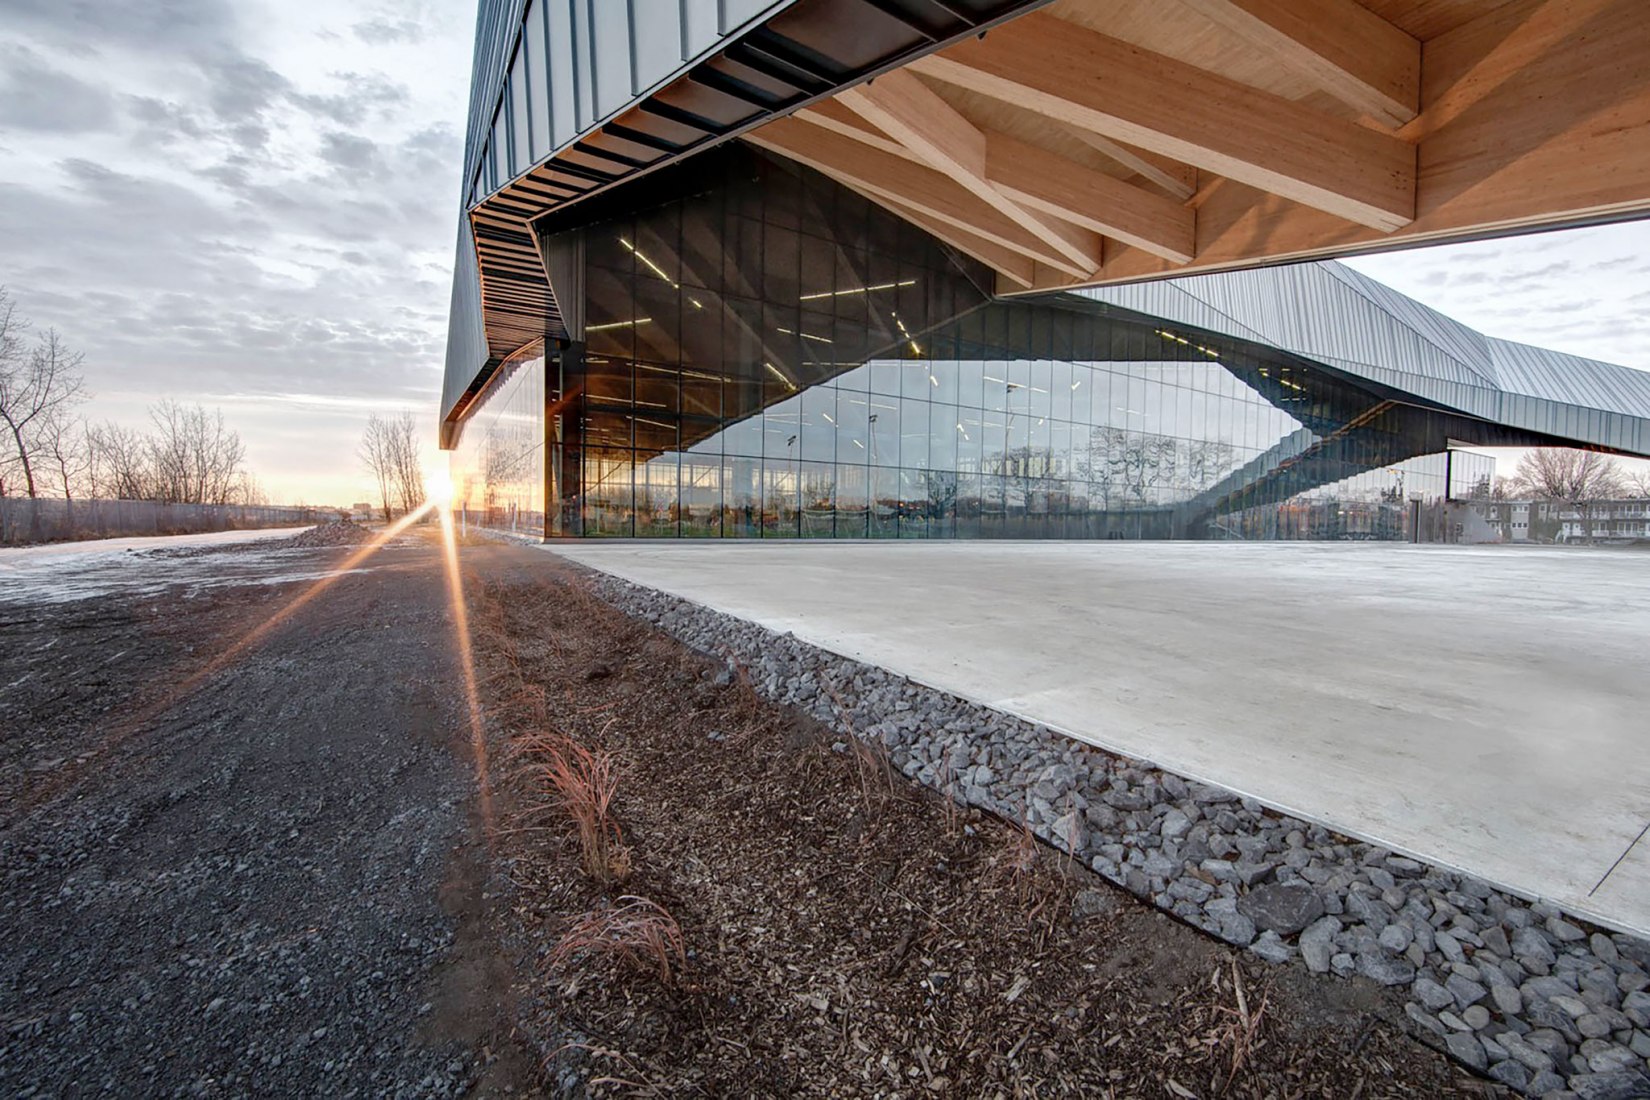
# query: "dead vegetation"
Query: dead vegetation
636,931
814,925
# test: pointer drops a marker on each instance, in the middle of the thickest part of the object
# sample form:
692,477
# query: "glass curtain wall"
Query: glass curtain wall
497,469
776,357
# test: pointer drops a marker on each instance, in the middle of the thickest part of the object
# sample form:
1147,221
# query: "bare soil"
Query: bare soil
847,932
243,870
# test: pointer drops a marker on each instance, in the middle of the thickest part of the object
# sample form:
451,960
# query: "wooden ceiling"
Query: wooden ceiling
1097,141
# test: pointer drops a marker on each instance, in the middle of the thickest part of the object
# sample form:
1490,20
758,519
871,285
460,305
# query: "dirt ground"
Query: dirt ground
243,859
240,871
850,934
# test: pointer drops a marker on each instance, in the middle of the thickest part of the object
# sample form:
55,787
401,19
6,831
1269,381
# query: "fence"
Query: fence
24,520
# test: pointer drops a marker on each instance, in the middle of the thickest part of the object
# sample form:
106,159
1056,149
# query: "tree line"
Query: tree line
188,455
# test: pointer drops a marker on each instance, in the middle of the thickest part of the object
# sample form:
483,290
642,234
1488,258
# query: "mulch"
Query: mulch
847,932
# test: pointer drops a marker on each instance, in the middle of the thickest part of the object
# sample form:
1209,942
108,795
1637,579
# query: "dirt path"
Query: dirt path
270,882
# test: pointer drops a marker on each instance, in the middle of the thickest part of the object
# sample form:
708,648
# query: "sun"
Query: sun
439,488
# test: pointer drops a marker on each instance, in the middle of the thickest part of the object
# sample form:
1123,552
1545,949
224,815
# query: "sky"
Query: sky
247,203
253,204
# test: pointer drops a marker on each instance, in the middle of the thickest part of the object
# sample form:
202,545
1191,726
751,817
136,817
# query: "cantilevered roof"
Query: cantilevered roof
1329,313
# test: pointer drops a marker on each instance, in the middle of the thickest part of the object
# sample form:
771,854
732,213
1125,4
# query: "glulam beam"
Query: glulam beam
913,114
1092,82
1344,48
911,185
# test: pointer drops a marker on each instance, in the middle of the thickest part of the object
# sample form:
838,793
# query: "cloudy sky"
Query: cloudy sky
252,203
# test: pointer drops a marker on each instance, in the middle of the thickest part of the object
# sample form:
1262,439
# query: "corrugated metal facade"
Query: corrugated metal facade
1330,313
549,72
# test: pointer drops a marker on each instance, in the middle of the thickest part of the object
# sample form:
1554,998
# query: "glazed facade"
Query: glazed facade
772,356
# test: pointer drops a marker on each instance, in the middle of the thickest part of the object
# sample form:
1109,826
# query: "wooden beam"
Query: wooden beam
1093,82
1178,180
1049,182
1340,45
835,117
923,189
913,114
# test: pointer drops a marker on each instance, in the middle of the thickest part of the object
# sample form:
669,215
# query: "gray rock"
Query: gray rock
1612,1060
1237,929
1423,1021
1283,908
1370,911
1530,1056
1627,1085
1636,1006
1477,1017
1543,1084
1496,940
1529,943
1510,1073
1386,970
1563,931
1252,874
1428,992
1508,1000
1317,943
1396,938
1465,992
1272,948
1466,1050
1449,947
1175,824
1604,949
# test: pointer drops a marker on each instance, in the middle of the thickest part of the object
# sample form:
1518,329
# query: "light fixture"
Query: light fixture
618,324
657,270
856,290
804,335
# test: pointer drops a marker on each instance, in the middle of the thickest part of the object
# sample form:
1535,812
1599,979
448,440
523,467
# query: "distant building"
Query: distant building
1609,521
1522,520
361,510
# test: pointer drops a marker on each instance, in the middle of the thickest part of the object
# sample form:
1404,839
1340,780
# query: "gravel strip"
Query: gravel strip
1512,989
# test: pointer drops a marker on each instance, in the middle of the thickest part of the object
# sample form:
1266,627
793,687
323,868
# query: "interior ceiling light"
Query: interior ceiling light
905,332
657,270
856,290
779,374
805,335
618,324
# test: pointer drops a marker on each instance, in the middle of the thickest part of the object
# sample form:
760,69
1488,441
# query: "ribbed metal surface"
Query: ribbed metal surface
1334,315
549,73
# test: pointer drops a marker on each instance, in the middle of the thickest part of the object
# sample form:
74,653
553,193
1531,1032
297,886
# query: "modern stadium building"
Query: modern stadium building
974,268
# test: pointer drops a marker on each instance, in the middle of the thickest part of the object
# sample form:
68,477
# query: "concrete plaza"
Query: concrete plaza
1486,709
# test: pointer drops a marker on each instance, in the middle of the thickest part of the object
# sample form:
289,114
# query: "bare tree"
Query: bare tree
1578,479
389,449
1638,482
119,463
408,465
36,384
375,454
194,456
65,447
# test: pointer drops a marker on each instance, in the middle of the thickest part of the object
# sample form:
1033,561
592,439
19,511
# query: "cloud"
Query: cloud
35,96
381,30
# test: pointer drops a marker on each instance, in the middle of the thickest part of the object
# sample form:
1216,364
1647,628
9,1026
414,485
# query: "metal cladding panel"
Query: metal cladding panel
600,58
1329,313
466,331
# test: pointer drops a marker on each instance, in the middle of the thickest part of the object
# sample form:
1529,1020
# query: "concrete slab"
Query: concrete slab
1486,709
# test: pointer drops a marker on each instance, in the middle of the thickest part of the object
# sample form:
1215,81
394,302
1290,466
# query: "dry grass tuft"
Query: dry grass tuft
1238,1032
582,785
638,932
